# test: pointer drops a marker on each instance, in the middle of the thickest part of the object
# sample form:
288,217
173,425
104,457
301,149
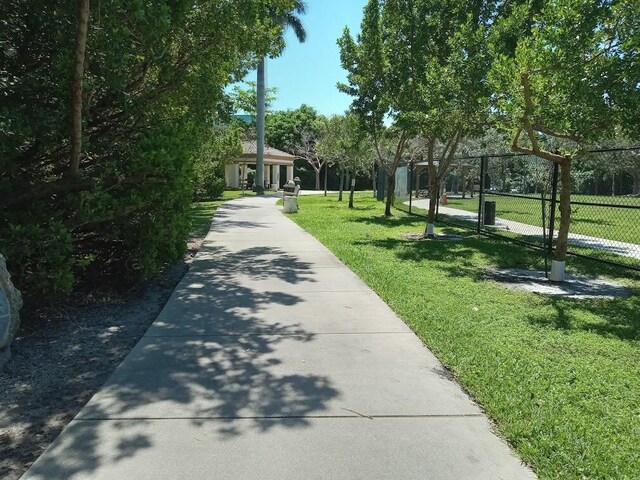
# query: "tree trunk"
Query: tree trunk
391,189
341,184
374,180
353,187
560,253
464,187
347,177
433,202
82,22
317,170
326,169
259,182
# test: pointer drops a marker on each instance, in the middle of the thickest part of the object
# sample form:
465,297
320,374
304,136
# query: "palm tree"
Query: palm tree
289,19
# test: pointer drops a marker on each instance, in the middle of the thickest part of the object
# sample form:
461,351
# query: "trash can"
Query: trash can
489,212
290,204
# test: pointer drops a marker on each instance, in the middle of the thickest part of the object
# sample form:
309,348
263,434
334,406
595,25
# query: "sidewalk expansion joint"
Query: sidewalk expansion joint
266,334
294,292
285,417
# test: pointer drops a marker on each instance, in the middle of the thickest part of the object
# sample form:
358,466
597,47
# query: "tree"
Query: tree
153,81
220,147
342,143
285,19
377,98
246,99
306,150
437,54
570,81
282,128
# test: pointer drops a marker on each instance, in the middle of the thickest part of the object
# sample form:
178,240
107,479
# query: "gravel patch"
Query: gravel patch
574,286
63,355
437,236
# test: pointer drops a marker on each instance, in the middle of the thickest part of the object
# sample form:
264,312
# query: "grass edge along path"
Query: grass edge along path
560,378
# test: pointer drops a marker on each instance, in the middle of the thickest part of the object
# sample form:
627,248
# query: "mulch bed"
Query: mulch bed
62,355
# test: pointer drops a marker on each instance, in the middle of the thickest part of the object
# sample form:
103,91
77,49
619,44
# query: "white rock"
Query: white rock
10,305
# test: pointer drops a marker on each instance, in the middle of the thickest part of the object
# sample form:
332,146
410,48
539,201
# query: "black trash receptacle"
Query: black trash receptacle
489,212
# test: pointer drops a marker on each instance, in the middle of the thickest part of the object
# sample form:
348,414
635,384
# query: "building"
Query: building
278,167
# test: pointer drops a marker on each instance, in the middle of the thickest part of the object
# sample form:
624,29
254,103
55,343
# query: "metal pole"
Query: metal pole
326,169
483,166
552,213
242,177
410,184
544,236
259,178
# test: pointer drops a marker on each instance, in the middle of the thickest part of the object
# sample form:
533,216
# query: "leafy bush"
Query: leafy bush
221,146
39,258
152,86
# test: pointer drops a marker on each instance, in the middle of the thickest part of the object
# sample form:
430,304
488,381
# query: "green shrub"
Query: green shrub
208,185
221,145
39,258
152,90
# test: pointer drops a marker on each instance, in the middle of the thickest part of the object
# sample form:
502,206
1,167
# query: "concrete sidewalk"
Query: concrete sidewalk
272,360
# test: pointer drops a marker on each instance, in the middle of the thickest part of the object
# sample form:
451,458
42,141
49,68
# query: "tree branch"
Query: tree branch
529,129
66,185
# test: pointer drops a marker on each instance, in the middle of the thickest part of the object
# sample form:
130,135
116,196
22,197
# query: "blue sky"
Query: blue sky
308,72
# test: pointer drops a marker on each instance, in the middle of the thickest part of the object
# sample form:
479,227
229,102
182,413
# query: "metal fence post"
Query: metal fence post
552,213
411,167
483,167
544,234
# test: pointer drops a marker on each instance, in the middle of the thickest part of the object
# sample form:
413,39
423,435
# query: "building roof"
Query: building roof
273,155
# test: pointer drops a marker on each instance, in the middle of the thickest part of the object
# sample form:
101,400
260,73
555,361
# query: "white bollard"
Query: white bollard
557,271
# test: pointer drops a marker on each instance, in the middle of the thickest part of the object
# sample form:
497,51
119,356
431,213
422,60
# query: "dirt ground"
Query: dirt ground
64,357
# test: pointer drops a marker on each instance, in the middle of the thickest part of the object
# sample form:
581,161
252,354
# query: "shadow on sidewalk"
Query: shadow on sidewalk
208,356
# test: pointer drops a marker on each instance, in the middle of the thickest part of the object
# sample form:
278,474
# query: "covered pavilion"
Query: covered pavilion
274,160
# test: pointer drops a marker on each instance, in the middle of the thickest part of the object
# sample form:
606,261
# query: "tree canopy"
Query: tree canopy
153,80
283,129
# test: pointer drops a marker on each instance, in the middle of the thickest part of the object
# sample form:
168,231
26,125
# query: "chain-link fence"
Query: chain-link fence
516,196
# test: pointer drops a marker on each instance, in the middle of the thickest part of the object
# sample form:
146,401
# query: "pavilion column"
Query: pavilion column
227,175
276,176
243,174
289,172
267,175
232,176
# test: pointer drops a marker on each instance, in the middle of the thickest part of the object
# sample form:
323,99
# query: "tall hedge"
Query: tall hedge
153,85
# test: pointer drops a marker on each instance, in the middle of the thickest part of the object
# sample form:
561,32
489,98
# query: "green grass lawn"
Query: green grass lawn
608,256
202,212
560,378
602,222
